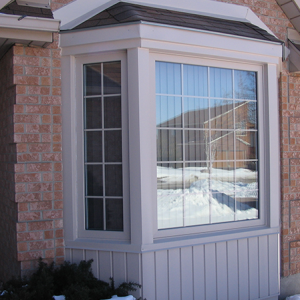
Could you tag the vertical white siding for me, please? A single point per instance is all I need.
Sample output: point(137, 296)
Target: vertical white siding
point(245, 269)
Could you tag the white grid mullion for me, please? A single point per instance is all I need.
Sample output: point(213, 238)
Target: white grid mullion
point(209, 142)
point(103, 148)
point(234, 145)
point(183, 147)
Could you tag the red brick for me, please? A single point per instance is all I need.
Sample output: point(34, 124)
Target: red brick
point(27, 61)
point(27, 99)
point(39, 187)
point(39, 167)
point(21, 227)
point(49, 234)
point(44, 205)
point(34, 177)
point(60, 252)
point(28, 157)
point(38, 128)
point(26, 118)
point(52, 100)
point(53, 214)
point(39, 71)
point(39, 52)
point(38, 90)
point(29, 236)
point(29, 255)
point(41, 245)
point(22, 247)
point(26, 80)
point(29, 216)
point(42, 225)
point(40, 147)
point(59, 233)
point(51, 157)
point(22, 207)
point(28, 197)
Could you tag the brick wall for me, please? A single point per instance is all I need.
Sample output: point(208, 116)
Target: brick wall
point(38, 177)
point(8, 208)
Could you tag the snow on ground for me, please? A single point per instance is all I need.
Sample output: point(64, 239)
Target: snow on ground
point(198, 197)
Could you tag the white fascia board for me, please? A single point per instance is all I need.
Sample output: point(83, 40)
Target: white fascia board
point(170, 39)
point(29, 23)
point(3, 3)
point(77, 12)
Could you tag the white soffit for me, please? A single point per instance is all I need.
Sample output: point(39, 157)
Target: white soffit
point(292, 10)
point(78, 11)
point(35, 3)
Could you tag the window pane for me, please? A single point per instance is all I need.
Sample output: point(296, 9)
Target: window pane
point(94, 183)
point(95, 214)
point(195, 80)
point(113, 180)
point(196, 113)
point(112, 112)
point(168, 78)
point(93, 144)
point(221, 114)
point(93, 79)
point(112, 77)
point(169, 145)
point(245, 114)
point(113, 145)
point(168, 112)
point(196, 145)
point(245, 85)
point(114, 214)
point(221, 83)
point(207, 180)
point(93, 113)
point(246, 145)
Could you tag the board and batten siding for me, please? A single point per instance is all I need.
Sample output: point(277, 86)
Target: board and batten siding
point(237, 269)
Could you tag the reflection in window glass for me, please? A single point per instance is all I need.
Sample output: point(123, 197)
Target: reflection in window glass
point(207, 170)
point(103, 146)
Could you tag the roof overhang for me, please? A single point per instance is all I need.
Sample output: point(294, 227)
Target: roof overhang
point(292, 10)
point(28, 31)
point(77, 12)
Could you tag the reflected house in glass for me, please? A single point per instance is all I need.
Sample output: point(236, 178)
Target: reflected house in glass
point(226, 146)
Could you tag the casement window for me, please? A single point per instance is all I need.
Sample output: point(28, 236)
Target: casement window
point(206, 171)
point(103, 146)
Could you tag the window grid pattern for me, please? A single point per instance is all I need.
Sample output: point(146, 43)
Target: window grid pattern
point(207, 171)
point(103, 146)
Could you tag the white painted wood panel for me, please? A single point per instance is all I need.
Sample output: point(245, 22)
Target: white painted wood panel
point(232, 263)
point(222, 268)
point(263, 264)
point(92, 254)
point(273, 258)
point(77, 255)
point(119, 267)
point(210, 271)
point(187, 273)
point(174, 274)
point(161, 274)
point(105, 265)
point(148, 275)
point(134, 271)
point(199, 272)
point(253, 268)
point(244, 269)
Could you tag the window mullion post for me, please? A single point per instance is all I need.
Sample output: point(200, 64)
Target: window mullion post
point(271, 142)
point(141, 107)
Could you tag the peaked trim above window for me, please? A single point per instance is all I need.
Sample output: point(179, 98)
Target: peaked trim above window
point(124, 13)
point(78, 12)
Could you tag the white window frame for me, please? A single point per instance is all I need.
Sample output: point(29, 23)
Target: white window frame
point(141, 45)
point(81, 211)
point(263, 127)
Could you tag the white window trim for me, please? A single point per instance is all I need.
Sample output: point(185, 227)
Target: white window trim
point(144, 43)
